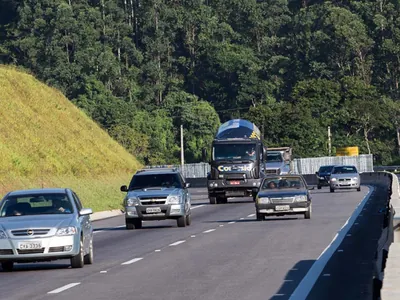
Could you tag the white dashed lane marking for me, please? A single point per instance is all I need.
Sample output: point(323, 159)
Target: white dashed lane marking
point(63, 288)
point(250, 216)
point(177, 243)
point(209, 230)
point(132, 261)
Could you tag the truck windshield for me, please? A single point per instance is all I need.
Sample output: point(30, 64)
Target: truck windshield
point(234, 151)
point(274, 157)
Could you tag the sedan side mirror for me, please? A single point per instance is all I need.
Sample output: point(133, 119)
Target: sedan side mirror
point(85, 211)
point(124, 188)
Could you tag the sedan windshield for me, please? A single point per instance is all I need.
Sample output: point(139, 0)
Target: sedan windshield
point(36, 204)
point(283, 183)
point(344, 170)
point(234, 151)
point(155, 180)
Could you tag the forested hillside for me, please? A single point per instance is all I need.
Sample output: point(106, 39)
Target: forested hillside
point(141, 68)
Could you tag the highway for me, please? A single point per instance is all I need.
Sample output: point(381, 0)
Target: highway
point(224, 254)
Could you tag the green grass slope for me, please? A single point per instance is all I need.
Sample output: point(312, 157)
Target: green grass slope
point(45, 141)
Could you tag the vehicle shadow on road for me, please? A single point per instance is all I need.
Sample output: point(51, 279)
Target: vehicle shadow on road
point(29, 267)
point(292, 279)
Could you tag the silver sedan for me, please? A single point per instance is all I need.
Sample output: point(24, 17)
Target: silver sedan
point(44, 225)
point(344, 177)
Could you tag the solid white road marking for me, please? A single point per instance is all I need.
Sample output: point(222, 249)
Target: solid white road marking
point(209, 230)
point(132, 261)
point(63, 288)
point(308, 281)
point(177, 243)
point(252, 215)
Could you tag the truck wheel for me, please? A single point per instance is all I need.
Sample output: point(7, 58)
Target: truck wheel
point(213, 200)
point(181, 221)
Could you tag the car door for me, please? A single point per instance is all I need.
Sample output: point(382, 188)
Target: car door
point(85, 223)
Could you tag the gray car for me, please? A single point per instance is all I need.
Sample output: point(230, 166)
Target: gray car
point(344, 177)
point(44, 225)
point(157, 194)
point(283, 195)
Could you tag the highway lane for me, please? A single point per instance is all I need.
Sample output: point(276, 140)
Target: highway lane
point(225, 254)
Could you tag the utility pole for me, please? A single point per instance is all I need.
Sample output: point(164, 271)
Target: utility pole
point(182, 155)
point(329, 140)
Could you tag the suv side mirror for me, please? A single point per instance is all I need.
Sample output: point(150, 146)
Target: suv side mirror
point(187, 185)
point(124, 188)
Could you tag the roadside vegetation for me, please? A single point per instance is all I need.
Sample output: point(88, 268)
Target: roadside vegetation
point(46, 141)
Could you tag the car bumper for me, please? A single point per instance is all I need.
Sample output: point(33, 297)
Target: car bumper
point(52, 248)
point(222, 187)
point(160, 212)
point(336, 185)
point(283, 208)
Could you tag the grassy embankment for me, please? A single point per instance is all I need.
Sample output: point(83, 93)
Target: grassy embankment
point(45, 141)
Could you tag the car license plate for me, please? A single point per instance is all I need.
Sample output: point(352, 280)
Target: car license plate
point(152, 210)
point(29, 245)
point(235, 182)
point(282, 207)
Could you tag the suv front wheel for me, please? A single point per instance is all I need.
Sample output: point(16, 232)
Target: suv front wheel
point(181, 221)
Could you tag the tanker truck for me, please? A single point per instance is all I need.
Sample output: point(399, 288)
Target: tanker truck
point(237, 160)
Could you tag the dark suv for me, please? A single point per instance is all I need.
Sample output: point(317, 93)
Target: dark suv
point(323, 176)
point(157, 194)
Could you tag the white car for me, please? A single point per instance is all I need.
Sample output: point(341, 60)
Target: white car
point(344, 177)
point(44, 225)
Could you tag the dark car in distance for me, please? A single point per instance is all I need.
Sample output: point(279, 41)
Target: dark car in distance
point(323, 175)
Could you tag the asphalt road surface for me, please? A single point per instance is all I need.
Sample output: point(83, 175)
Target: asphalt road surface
point(224, 254)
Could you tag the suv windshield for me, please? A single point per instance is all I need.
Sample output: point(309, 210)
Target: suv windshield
point(143, 181)
point(325, 169)
point(283, 183)
point(344, 170)
point(234, 151)
point(274, 157)
point(36, 205)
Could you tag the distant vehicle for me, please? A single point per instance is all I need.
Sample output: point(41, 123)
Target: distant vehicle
point(44, 225)
point(157, 194)
point(323, 176)
point(344, 177)
point(237, 161)
point(279, 161)
point(283, 195)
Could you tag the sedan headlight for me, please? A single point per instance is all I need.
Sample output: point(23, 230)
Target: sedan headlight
point(133, 201)
point(3, 235)
point(333, 179)
point(173, 199)
point(355, 178)
point(66, 231)
point(263, 200)
point(300, 198)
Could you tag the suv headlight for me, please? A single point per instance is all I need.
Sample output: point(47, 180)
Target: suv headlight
point(263, 200)
point(66, 230)
point(132, 201)
point(173, 199)
point(3, 235)
point(300, 198)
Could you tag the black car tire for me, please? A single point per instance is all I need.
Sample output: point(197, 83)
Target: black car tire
point(188, 220)
point(308, 213)
point(260, 217)
point(137, 223)
point(7, 266)
point(89, 257)
point(129, 225)
point(359, 189)
point(222, 200)
point(332, 190)
point(181, 221)
point(78, 260)
point(213, 200)
point(319, 187)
